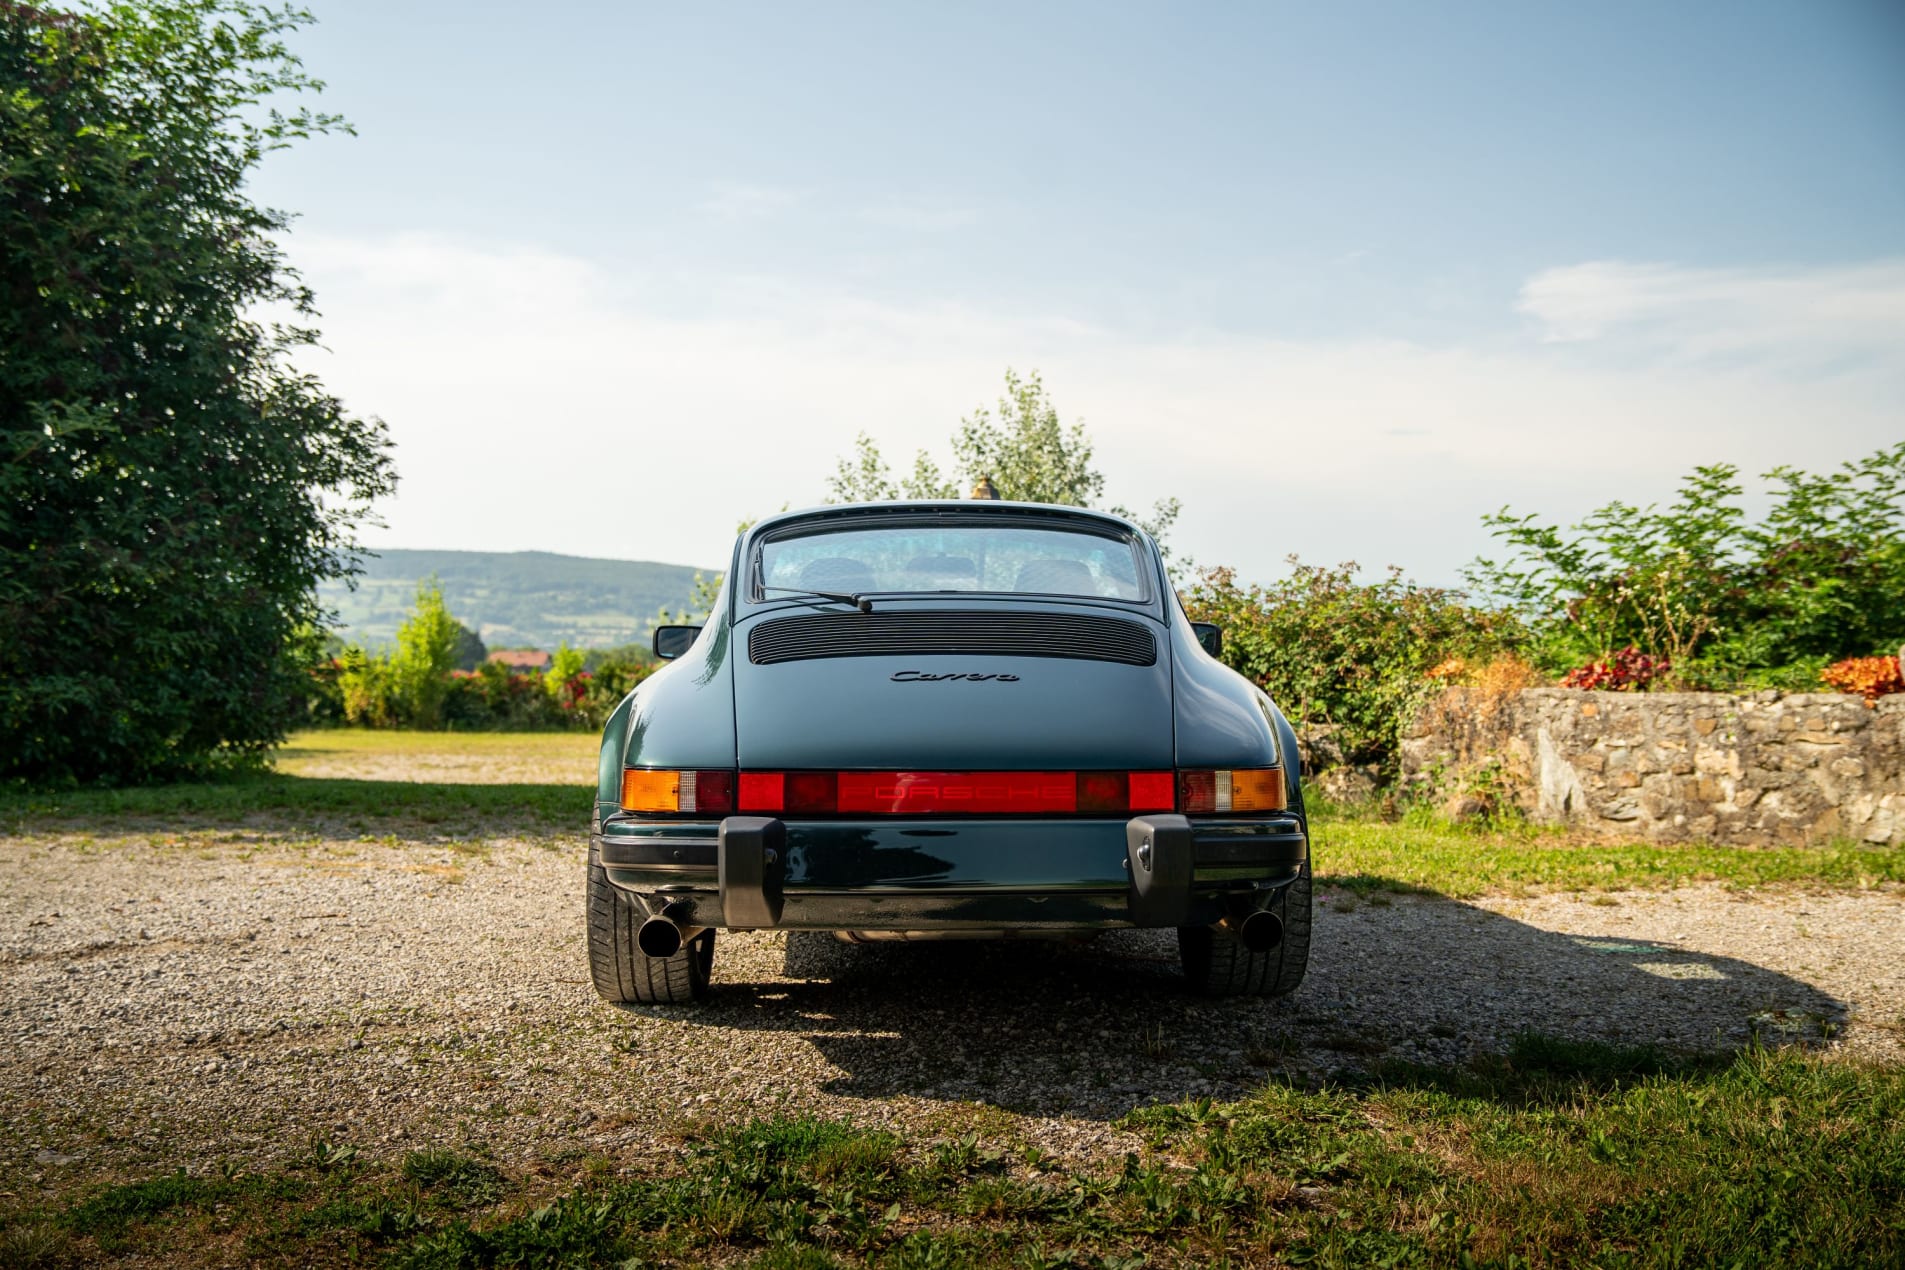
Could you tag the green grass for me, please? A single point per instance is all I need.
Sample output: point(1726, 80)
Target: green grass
point(1559, 1153)
point(271, 799)
point(1424, 853)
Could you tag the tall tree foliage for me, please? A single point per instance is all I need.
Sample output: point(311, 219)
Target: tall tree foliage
point(171, 489)
point(426, 654)
point(1021, 446)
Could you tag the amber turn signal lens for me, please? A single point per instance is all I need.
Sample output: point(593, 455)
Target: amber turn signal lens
point(650, 791)
point(1260, 789)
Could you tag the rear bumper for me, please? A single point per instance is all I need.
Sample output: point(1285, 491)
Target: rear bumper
point(752, 872)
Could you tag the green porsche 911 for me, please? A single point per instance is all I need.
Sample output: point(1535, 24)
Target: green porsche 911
point(921, 720)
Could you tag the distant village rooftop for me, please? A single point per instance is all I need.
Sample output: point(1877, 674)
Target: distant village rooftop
point(521, 658)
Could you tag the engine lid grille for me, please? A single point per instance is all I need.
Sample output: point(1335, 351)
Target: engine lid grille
point(886, 633)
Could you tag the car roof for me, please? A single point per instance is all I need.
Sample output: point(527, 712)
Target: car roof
point(959, 508)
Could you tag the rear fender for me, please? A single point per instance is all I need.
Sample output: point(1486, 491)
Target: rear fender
point(608, 777)
point(682, 716)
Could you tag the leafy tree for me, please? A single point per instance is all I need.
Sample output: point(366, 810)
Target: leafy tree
point(470, 650)
point(1724, 599)
point(564, 666)
point(426, 654)
point(364, 682)
point(1022, 447)
point(865, 477)
point(171, 488)
point(1028, 454)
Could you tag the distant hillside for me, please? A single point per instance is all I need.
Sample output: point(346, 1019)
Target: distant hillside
point(513, 597)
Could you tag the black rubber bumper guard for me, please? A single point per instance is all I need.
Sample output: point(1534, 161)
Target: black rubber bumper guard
point(751, 867)
point(1162, 854)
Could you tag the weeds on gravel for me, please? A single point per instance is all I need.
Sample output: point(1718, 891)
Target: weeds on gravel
point(1557, 1153)
point(463, 1181)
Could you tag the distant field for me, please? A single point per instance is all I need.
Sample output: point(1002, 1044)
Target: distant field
point(447, 758)
point(533, 598)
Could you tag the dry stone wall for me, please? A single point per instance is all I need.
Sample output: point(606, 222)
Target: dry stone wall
point(1750, 769)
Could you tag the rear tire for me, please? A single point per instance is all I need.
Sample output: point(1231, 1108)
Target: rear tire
point(1217, 965)
point(623, 975)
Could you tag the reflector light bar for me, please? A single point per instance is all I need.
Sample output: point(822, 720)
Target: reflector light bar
point(1238, 790)
point(718, 793)
point(967, 793)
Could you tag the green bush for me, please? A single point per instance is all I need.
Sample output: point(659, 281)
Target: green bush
point(1729, 602)
point(608, 683)
point(1331, 650)
point(360, 689)
point(492, 699)
point(172, 486)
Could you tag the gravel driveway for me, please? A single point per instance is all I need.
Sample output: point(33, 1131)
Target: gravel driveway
point(178, 1001)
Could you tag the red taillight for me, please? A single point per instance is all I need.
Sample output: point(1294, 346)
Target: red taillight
point(1119, 793)
point(763, 791)
point(968, 793)
point(1151, 791)
point(797, 793)
point(713, 792)
point(809, 793)
point(1196, 791)
point(1103, 791)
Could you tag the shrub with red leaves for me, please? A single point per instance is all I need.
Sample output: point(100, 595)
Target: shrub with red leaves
point(1870, 677)
point(1629, 670)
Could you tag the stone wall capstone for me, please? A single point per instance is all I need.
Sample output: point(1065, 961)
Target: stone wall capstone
point(1750, 769)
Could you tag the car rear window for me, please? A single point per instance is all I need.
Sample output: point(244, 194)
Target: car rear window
point(1024, 559)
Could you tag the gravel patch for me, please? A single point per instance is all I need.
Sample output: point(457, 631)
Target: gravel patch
point(242, 996)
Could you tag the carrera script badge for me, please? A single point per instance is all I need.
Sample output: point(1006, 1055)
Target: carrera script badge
point(921, 677)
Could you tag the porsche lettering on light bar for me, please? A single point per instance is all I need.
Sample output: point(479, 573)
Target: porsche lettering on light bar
point(968, 793)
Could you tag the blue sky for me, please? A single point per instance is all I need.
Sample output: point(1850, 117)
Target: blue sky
point(1340, 277)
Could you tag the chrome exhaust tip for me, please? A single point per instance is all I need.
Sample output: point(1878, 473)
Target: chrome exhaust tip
point(659, 937)
point(1260, 931)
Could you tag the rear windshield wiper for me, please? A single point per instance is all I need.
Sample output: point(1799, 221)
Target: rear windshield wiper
point(858, 601)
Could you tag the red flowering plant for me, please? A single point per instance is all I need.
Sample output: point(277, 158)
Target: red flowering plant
point(571, 691)
point(1629, 670)
point(1870, 677)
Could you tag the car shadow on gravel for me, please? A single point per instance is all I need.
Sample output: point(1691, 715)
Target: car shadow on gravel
point(1094, 1028)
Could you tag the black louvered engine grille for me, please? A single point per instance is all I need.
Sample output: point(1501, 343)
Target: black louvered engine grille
point(880, 634)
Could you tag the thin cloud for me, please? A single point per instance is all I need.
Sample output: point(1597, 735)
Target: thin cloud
point(920, 215)
point(738, 202)
point(1790, 315)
